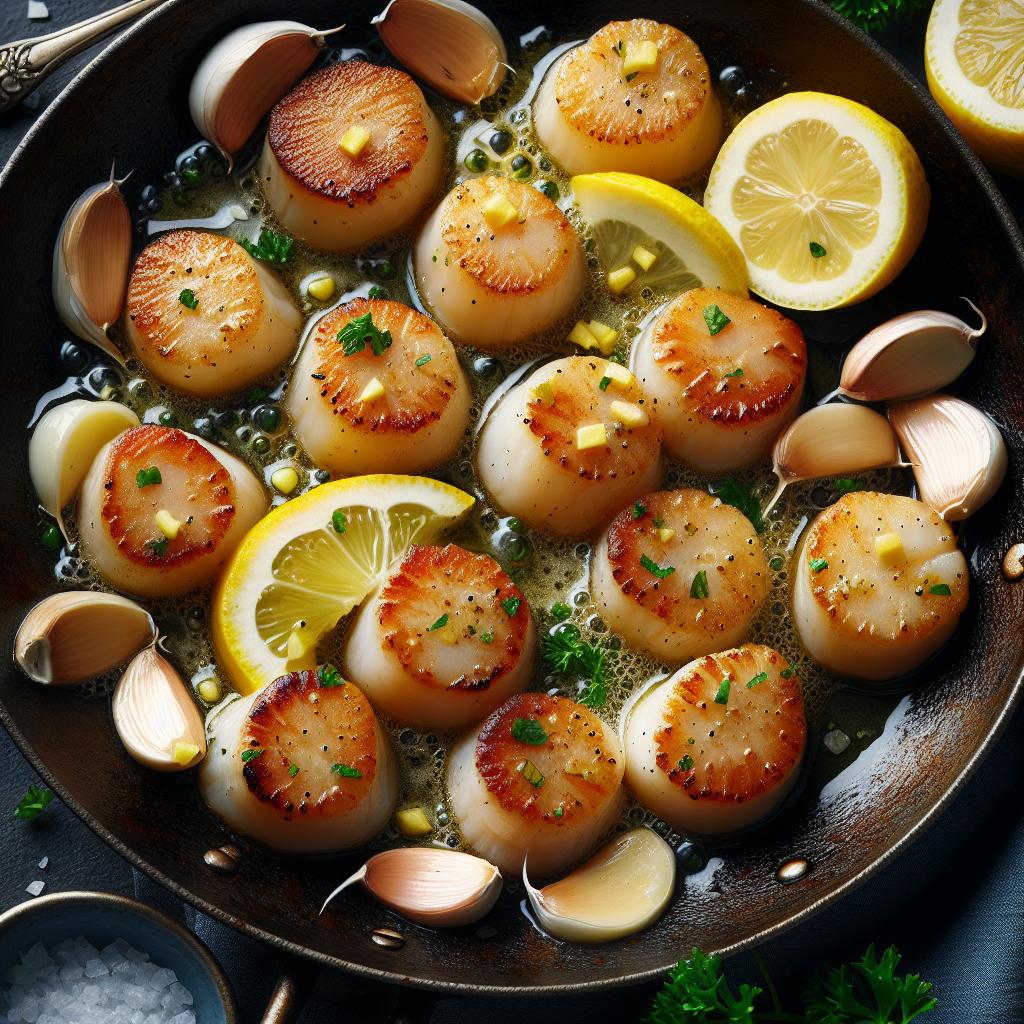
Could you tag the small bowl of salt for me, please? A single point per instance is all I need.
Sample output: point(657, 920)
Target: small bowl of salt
point(99, 958)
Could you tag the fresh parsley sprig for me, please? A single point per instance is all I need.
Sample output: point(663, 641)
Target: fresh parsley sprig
point(872, 15)
point(361, 331)
point(33, 803)
point(272, 247)
point(732, 492)
point(567, 653)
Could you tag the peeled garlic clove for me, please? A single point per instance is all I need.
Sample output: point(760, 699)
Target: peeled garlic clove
point(245, 74)
point(64, 443)
point(155, 716)
point(910, 355)
point(452, 46)
point(621, 890)
point(832, 440)
point(90, 264)
point(957, 453)
point(436, 888)
point(78, 635)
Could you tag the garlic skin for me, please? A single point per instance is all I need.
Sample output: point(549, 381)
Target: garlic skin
point(910, 355)
point(70, 637)
point(957, 453)
point(64, 443)
point(455, 48)
point(154, 712)
point(832, 440)
point(432, 887)
point(245, 74)
point(90, 264)
point(621, 890)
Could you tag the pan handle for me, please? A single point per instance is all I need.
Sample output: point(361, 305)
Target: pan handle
point(295, 981)
point(24, 64)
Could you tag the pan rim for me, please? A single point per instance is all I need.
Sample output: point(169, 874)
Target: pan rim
point(983, 179)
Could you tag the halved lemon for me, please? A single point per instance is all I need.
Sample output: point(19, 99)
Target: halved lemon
point(311, 561)
point(827, 199)
point(974, 58)
point(691, 248)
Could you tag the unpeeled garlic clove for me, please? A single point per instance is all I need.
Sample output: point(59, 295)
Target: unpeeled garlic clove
point(77, 635)
point(436, 888)
point(621, 890)
point(452, 46)
point(245, 74)
point(910, 355)
point(957, 453)
point(832, 440)
point(64, 443)
point(91, 259)
point(155, 716)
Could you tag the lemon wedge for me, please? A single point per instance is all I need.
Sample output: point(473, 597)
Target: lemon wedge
point(827, 199)
point(974, 51)
point(311, 561)
point(690, 248)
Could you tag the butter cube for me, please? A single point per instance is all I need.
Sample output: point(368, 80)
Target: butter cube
point(606, 336)
point(322, 288)
point(640, 57)
point(285, 479)
point(619, 280)
point(629, 415)
point(593, 435)
point(544, 393)
point(498, 212)
point(372, 391)
point(665, 534)
point(644, 257)
point(354, 141)
point(413, 821)
point(582, 335)
point(167, 524)
point(889, 548)
point(619, 375)
point(185, 753)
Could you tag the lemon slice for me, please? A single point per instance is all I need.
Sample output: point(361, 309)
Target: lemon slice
point(827, 199)
point(691, 248)
point(311, 561)
point(974, 58)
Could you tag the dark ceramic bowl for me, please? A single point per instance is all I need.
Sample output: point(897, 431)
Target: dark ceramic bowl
point(130, 104)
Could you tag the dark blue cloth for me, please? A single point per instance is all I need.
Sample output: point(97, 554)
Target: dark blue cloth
point(953, 903)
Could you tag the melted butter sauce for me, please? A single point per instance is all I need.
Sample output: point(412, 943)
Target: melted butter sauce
point(547, 570)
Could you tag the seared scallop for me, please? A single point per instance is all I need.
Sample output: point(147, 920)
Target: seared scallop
point(352, 153)
point(878, 585)
point(541, 780)
point(160, 510)
point(636, 96)
point(727, 373)
point(378, 387)
point(718, 746)
point(497, 262)
point(679, 574)
point(566, 448)
point(301, 765)
point(446, 638)
point(204, 317)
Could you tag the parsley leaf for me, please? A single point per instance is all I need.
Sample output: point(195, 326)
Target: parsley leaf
point(529, 731)
point(738, 372)
point(661, 571)
point(251, 755)
point(818, 564)
point(328, 676)
point(761, 677)
point(423, 360)
point(188, 298)
point(686, 763)
point(361, 331)
point(696, 991)
point(603, 383)
point(732, 492)
point(847, 484)
point(33, 803)
point(272, 247)
point(440, 624)
point(487, 637)
point(560, 611)
point(699, 586)
point(339, 520)
point(346, 771)
point(511, 605)
point(639, 510)
point(567, 653)
point(817, 250)
point(293, 770)
point(722, 693)
point(940, 590)
point(148, 476)
point(158, 546)
point(716, 320)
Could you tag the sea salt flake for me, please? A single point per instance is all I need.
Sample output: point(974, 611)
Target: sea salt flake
point(35, 888)
point(44, 863)
point(836, 741)
point(37, 10)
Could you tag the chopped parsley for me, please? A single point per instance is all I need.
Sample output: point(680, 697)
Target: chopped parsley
point(33, 803)
point(359, 332)
point(327, 676)
point(511, 605)
point(158, 546)
point(560, 611)
point(817, 564)
point(423, 360)
point(346, 771)
point(147, 477)
point(940, 590)
point(377, 292)
point(440, 624)
point(722, 695)
point(817, 249)
point(188, 298)
point(251, 755)
point(293, 770)
point(686, 763)
point(787, 672)
point(639, 510)
point(339, 520)
point(604, 382)
point(716, 320)
point(761, 677)
point(732, 492)
point(272, 247)
point(847, 484)
point(699, 586)
point(529, 731)
point(738, 372)
point(567, 653)
point(559, 811)
point(661, 571)
point(487, 637)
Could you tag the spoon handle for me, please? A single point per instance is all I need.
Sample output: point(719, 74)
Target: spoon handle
point(26, 62)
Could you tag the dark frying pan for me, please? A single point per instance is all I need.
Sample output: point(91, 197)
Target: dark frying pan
point(131, 104)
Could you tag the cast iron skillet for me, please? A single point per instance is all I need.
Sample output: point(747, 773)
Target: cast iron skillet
point(131, 104)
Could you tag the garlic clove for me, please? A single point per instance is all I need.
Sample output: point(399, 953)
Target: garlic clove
point(155, 716)
point(78, 635)
point(621, 890)
point(245, 74)
point(957, 453)
point(910, 355)
point(832, 440)
point(64, 443)
point(452, 46)
point(435, 888)
point(91, 259)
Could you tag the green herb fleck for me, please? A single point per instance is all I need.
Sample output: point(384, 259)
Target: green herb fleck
point(761, 677)
point(686, 763)
point(272, 247)
point(529, 731)
point(359, 332)
point(699, 586)
point(559, 811)
point(327, 677)
point(940, 590)
point(423, 360)
point(339, 520)
point(716, 320)
point(511, 605)
point(787, 672)
point(817, 250)
point(662, 572)
point(188, 298)
point(732, 492)
point(817, 564)
point(440, 624)
point(148, 476)
point(346, 771)
point(847, 484)
point(293, 770)
point(52, 538)
point(533, 775)
point(158, 546)
point(604, 382)
point(567, 653)
point(639, 510)
point(560, 611)
point(487, 637)
point(738, 372)
point(722, 694)
point(251, 755)
point(33, 803)
point(377, 292)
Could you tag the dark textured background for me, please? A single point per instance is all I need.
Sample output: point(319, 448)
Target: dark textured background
point(954, 903)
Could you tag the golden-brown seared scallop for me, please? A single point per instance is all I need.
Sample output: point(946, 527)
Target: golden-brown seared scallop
point(160, 510)
point(570, 445)
point(679, 574)
point(352, 153)
point(879, 585)
point(492, 281)
point(540, 779)
point(718, 746)
point(301, 765)
point(723, 397)
point(364, 403)
point(204, 317)
point(636, 96)
point(444, 641)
